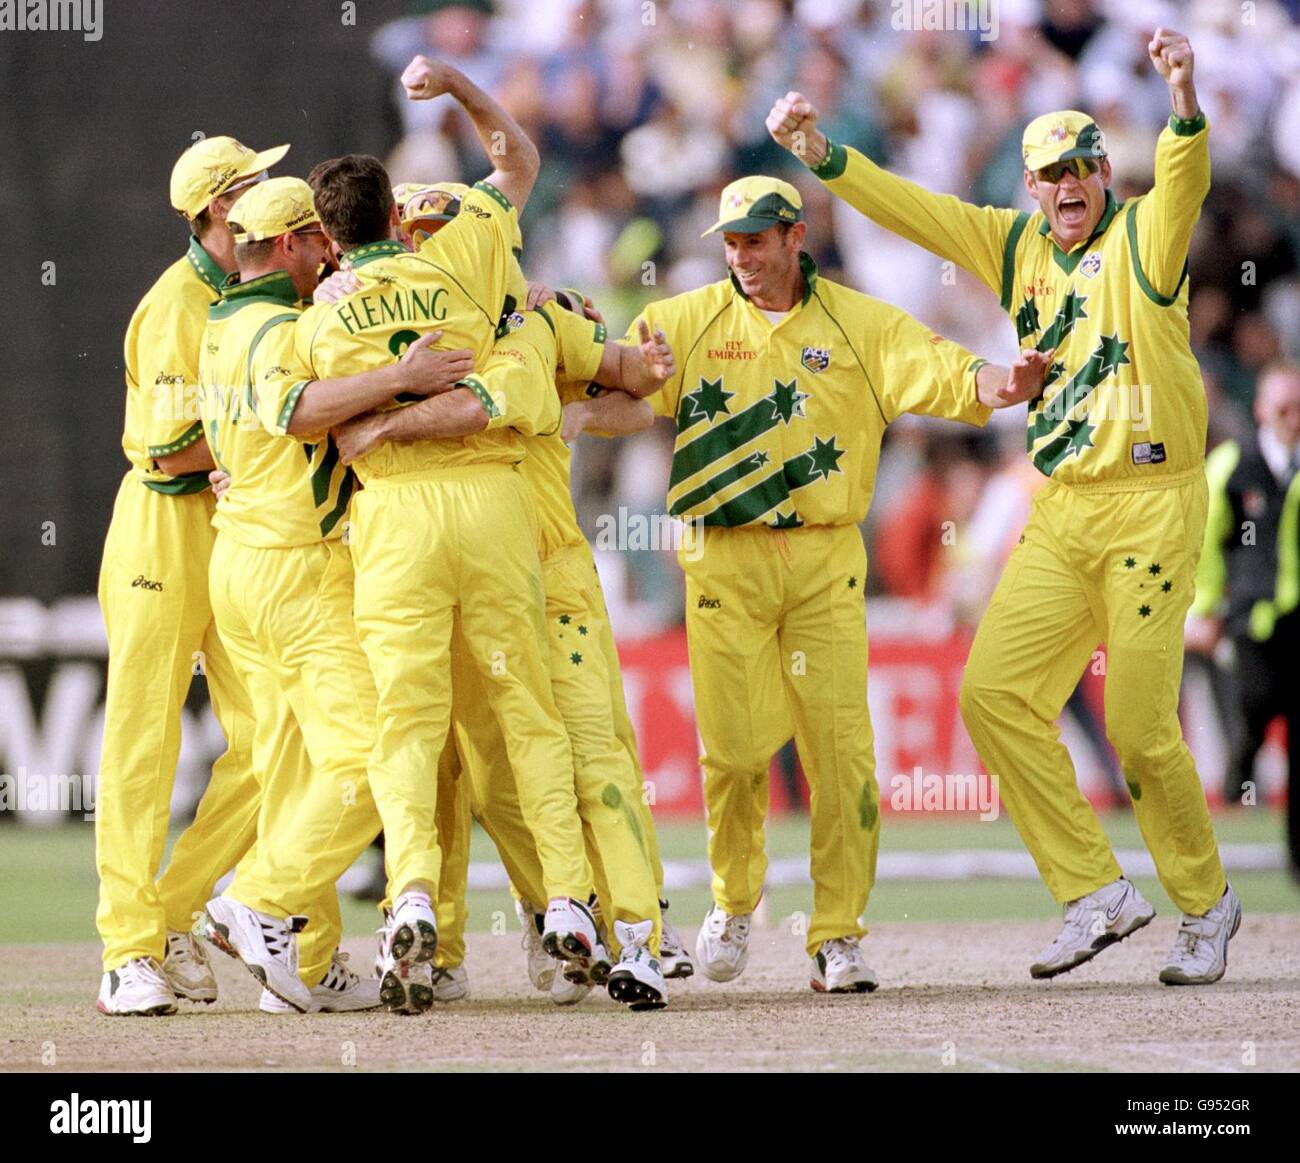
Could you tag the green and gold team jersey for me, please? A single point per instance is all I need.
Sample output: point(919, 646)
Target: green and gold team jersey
point(781, 424)
point(161, 354)
point(283, 492)
point(457, 282)
point(568, 347)
point(1123, 405)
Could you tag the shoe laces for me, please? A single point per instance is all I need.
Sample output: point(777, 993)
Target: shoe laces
point(839, 950)
point(184, 950)
point(278, 936)
point(145, 968)
point(339, 977)
point(735, 928)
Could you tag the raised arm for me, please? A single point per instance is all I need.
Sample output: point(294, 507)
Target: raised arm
point(974, 237)
point(1161, 223)
point(507, 146)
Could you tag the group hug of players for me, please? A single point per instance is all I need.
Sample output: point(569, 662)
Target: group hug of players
point(401, 624)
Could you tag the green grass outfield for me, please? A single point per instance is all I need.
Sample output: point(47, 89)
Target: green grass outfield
point(47, 876)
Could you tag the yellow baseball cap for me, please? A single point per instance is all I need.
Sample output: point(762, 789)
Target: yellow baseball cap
point(752, 204)
point(1058, 137)
point(271, 208)
point(436, 201)
point(210, 167)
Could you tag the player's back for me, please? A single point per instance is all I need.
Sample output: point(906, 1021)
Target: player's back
point(282, 492)
point(161, 357)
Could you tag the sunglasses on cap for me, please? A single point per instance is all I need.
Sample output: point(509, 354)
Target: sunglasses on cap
point(1081, 167)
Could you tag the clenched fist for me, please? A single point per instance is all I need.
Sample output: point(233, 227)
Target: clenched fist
point(425, 78)
point(1171, 53)
point(793, 125)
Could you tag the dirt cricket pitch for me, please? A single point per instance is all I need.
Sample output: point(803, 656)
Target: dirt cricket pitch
point(953, 996)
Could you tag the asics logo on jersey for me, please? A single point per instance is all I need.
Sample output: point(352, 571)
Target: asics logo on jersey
point(165, 378)
point(144, 583)
point(709, 603)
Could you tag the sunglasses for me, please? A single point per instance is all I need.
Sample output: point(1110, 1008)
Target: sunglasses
point(1081, 167)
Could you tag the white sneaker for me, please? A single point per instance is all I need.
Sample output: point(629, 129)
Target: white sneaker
point(340, 991)
point(839, 967)
point(569, 933)
point(138, 987)
point(541, 965)
point(1200, 952)
point(674, 959)
point(450, 984)
point(1091, 924)
point(722, 947)
point(268, 946)
point(187, 968)
point(410, 941)
point(637, 980)
point(570, 984)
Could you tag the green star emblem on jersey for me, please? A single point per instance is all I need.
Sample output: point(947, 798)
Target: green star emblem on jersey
point(853, 583)
point(575, 658)
point(1154, 569)
point(1130, 563)
point(1166, 587)
point(564, 619)
point(825, 458)
point(708, 400)
point(787, 402)
point(582, 630)
point(1144, 611)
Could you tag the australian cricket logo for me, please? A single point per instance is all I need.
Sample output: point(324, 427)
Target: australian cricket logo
point(1091, 265)
point(816, 359)
point(514, 321)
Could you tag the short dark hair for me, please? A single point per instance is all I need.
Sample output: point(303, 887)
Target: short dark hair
point(248, 254)
point(354, 198)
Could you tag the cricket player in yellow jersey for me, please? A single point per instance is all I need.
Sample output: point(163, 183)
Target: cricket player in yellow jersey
point(784, 385)
point(153, 591)
point(1111, 547)
point(281, 583)
point(553, 343)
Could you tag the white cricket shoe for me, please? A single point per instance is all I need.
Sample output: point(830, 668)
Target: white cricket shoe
point(569, 934)
point(571, 984)
point(722, 947)
point(268, 946)
point(410, 941)
point(340, 991)
point(1091, 924)
point(450, 984)
point(1200, 952)
point(187, 968)
point(541, 965)
point(637, 980)
point(137, 987)
point(839, 967)
point(674, 959)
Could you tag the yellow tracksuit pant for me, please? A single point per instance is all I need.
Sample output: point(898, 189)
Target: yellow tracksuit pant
point(285, 616)
point(776, 630)
point(1096, 565)
point(617, 830)
point(153, 591)
point(430, 546)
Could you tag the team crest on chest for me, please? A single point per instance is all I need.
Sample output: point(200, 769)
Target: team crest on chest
point(816, 359)
point(514, 321)
point(1091, 265)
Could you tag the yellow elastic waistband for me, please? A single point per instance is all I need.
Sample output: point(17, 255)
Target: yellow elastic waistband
point(454, 472)
point(1134, 484)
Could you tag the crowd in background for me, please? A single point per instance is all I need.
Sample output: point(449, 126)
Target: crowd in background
point(644, 111)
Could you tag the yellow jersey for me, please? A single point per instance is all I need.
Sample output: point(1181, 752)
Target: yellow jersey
point(1123, 404)
point(283, 492)
point(161, 356)
point(569, 347)
point(780, 424)
point(456, 282)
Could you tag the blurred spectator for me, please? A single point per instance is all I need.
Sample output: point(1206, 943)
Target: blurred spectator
point(1248, 584)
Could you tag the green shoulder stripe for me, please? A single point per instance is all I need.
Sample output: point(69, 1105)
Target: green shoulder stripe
point(274, 321)
point(1147, 289)
point(1009, 258)
point(492, 192)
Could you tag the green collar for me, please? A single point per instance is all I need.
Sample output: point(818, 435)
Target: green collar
point(358, 256)
point(276, 287)
point(1063, 257)
point(204, 266)
point(806, 265)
